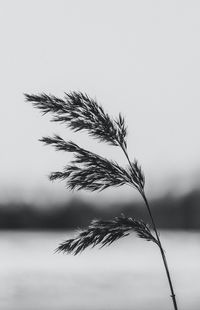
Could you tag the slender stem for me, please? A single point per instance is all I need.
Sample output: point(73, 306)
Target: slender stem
point(157, 237)
point(162, 253)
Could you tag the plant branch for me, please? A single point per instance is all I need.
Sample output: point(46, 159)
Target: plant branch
point(88, 170)
point(80, 112)
point(106, 232)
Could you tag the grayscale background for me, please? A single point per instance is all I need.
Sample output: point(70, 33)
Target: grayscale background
point(140, 58)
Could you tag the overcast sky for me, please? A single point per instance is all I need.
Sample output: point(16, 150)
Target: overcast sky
point(141, 58)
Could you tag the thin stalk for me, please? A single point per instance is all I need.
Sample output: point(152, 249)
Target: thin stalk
point(173, 296)
point(162, 253)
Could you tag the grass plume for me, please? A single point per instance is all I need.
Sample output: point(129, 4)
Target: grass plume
point(80, 112)
point(90, 171)
point(106, 232)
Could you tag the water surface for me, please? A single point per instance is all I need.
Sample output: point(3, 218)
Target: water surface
point(125, 276)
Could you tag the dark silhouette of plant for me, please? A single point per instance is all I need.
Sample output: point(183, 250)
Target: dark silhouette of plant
point(92, 172)
point(105, 233)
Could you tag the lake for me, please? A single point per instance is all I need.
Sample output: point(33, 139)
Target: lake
point(127, 275)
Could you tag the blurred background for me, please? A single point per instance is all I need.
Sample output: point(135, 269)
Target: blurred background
point(140, 58)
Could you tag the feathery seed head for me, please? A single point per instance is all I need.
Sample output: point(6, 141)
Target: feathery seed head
point(106, 232)
point(80, 112)
point(90, 171)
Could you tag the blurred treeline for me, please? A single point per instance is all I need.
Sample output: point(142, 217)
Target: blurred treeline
point(170, 213)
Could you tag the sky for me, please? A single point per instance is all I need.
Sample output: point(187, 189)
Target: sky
point(140, 58)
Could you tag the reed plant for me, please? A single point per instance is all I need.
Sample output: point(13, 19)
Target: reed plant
point(92, 172)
